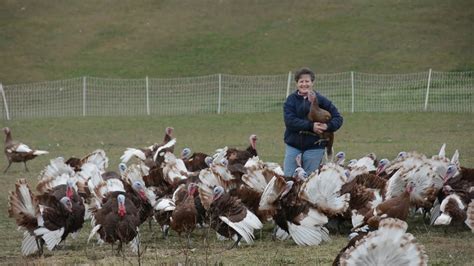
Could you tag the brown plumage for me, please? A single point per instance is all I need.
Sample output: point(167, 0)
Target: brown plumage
point(184, 217)
point(360, 198)
point(317, 114)
point(463, 181)
point(369, 180)
point(17, 152)
point(60, 211)
point(298, 218)
point(251, 199)
point(196, 162)
point(230, 218)
point(397, 207)
point(235, 156)
point(75, 163)
point(24, 215)
point(452, 209)
point(116, 220)
point(72, 220)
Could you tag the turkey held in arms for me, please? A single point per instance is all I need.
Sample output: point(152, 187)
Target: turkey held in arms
point(317, 114)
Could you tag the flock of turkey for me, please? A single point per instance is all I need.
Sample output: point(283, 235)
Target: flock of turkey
point(235, 193)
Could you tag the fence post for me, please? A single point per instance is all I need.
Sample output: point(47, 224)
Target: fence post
point(353, 91)
point(220, 95)
point(84, 89)
point(147, 97)
point(288, 84)
point(4, 101)
point(427, 90)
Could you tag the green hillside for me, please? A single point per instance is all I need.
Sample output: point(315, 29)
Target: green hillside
point(47, 40)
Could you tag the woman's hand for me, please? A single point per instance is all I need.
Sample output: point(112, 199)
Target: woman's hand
point(319, 128)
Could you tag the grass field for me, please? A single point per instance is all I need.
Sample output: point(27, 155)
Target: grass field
point(386, 134)
point(51, 40)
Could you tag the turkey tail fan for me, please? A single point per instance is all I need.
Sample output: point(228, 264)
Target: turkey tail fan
point(134, 173)
point(212, 179)
point(425, 179)
point(173, 168)
point(206, 196)
point(104, 187)
point(397, 183)
point(255, 180)
point(97, 157)
point(309, 231)
point(254, 177)
point(272, 192)
point(129, 153)
point(160, 151)
point(274, 169)
point(304, 235)
point(246, 226)
point(51, 238)
point(470, 216)
point(23, 205)
point(28, 245)
point(55, 174)
point(40, 152)
point(406, 160)
point(165, 204)
point(323, 189)
point(389, 245)
point(220, 155)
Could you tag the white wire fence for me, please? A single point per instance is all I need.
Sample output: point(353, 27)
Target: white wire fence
point(220, 93)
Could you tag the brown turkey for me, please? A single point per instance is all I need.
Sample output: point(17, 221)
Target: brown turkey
point(17, 152)
point(397, 207)
point(184, 216)
point(293, 216)
point(44, 219)
point(230, 218)
point(317, 114)
point(117, 220)
point(236, 156)
point(195, 161)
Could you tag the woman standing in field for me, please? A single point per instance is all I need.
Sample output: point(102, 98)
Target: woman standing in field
point(301, 134)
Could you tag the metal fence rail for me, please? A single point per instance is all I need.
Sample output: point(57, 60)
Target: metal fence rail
point(220, 93)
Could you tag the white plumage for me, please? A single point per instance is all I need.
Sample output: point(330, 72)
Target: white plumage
point(389, 245)
point(129, 153)
point(246, 226)
point(323, 189)
point(310, 231)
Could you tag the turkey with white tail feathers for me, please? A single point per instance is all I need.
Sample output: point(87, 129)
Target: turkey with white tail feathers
point(389, 245)
point(17, 152)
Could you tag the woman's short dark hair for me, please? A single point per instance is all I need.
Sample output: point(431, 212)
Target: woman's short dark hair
point(304, 71)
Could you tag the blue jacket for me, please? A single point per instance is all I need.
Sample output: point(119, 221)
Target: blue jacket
point(295, 112)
